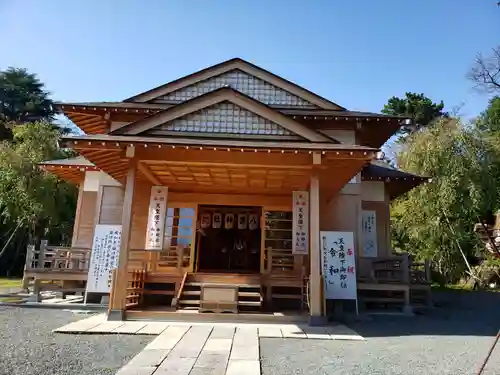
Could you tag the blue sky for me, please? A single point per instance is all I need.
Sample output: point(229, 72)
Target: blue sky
point(357, 53)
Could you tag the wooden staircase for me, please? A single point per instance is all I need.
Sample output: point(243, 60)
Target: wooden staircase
point(249, 298)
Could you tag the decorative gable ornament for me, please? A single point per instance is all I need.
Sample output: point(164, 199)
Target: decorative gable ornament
point(245, 83)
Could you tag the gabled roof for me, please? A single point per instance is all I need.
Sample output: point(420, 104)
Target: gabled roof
point(224, 94)
point(230, 65)
point(397, 181)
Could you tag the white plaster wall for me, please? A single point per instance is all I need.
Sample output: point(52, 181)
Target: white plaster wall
point(94, 179)
point(373, 191)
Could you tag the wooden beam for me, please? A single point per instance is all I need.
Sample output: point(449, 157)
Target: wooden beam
point(315, 290)
point(118, 302)
point(149, 175)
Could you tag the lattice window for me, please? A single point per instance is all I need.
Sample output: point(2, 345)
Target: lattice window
point(278, 241)
point(225, 118)
point(178, 244)
point(243, 82)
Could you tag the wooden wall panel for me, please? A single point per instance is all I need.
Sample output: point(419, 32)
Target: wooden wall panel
point(86, 216)
point(111, 205)
point(383, 225)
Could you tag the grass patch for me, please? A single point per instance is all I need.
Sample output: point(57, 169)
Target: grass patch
point(10, 283)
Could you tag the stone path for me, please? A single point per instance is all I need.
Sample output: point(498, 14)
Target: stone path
point(202, 348)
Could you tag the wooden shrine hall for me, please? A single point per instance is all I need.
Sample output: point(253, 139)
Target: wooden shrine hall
point(209, 193)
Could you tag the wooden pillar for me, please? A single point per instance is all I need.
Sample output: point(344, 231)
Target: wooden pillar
point(117, 303)
point(315, 290)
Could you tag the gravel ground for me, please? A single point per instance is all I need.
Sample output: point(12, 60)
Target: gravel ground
point(453, 339)
point(28, 346)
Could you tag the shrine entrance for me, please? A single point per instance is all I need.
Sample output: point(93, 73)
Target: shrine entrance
point(228, 239)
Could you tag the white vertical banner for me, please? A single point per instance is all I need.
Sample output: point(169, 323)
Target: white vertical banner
point(300, 245)
point(339, 265)
point(156, 218)
point(104, 257)
point(369, 233)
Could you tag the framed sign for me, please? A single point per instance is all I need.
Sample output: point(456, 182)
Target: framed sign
point(104, 257)
point(300, 244)
point(369, 233)
point(156, 218)
point(339, 265)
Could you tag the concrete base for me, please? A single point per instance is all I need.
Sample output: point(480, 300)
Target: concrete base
point(116, 315)
point(318, 321)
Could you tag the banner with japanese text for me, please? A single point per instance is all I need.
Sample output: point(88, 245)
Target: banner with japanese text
point(369, 233)
point(300, 245)
point(104, 257)
point(156, 218)
point(339, 265)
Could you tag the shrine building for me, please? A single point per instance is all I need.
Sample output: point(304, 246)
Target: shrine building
point(209, 193)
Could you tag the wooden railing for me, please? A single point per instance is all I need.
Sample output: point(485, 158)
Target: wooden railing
point(178, 295)
point(57, 258)
point(135, 289)
point(397, 269)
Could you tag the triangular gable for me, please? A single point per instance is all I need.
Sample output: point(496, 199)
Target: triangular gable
point(224, 111)
point(243, 76)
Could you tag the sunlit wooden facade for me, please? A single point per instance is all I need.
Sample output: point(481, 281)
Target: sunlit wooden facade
point(232, 138)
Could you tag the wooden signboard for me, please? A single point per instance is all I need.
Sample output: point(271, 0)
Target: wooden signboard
point(300, 244)
point(156, 218)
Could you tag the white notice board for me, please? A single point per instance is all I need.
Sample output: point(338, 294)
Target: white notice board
point(339, 265)
point(104, 258)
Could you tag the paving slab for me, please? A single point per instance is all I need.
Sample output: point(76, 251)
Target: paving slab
point(218, 345)
point(168, 338)
point(270, 331)
point(148, 358)
point(153, 328)
point(238, 367)
point(82, 325)
point(129, 370)
point(106, 327)
point(212, 360)
point(293, 332)
point(130, 328)
point(223, 332)
point(191, 343)
point(246, 336)
point(316, 333)
point(249, 352)
point(176, 366)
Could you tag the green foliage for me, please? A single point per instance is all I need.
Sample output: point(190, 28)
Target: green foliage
point(489, 120)
point(40, 204)
point(418, 107)
point(436, 220)
point(23, 97)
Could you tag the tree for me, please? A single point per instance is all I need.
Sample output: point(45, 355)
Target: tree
point(435, 221)
point(23, 97)
point(33, 204)
point(489, 120)
point(485, 71)
point(418, 107)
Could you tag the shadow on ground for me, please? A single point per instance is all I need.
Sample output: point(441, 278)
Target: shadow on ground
point(456, 312)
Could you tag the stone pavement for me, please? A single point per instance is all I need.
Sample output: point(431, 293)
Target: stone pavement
point(202, 348)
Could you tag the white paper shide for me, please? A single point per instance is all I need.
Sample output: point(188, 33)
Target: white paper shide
point(339, 265)
point(300, 245)
point(104, 258)
point(156, 218)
